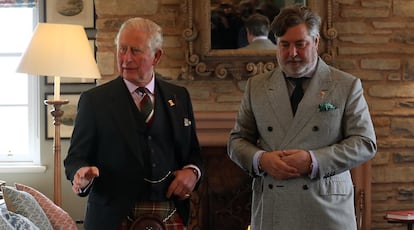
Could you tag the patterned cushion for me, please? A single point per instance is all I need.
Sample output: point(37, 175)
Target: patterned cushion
point(58, 217)
point(4, 223)
point(13, 221)
point(23, 203)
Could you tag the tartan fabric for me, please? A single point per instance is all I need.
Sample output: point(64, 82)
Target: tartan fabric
point(164, 210)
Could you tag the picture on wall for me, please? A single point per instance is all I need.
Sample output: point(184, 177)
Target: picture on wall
point(78, 12)
point(68, 118)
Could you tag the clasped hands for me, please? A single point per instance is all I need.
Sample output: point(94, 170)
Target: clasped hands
point(182, 185)
point(286, 164)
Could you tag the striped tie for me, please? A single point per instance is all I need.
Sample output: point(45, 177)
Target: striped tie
point(145, 105)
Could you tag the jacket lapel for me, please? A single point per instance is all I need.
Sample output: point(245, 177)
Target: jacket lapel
point(121, 106)
point(278, 99)
point(171, 105)
point(320, 88)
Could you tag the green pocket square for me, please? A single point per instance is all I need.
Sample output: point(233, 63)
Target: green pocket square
point(326, 107)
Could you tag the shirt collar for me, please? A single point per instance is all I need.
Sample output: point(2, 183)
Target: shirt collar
point(259, 38)
point(132, 87)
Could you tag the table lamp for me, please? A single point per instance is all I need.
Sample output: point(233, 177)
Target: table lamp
point(58, 50)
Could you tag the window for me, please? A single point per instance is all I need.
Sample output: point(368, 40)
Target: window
point(19, 93)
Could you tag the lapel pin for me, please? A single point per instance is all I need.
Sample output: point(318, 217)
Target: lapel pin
point(171, 102)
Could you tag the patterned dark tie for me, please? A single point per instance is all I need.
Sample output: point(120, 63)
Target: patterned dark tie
point(145, 105)
point(297, 94)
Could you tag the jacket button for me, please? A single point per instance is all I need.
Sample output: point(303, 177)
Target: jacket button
point(270, 128)
point(315, 128)
point(270, 186)
point(305, 187)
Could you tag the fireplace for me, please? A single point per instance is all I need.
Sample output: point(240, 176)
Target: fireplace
point(223, 199)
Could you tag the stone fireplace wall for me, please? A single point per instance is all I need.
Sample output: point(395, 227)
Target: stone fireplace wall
point(375, 42)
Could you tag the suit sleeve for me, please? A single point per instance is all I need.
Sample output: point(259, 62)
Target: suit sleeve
point(241, 146)
point(358, 143)
point(82, 138)
point(195, 155)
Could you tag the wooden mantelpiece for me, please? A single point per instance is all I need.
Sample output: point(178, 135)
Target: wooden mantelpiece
point(213, 127)
point(222, 201)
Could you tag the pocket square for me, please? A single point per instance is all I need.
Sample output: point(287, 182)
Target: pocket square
point(326, 107)
point(187, 122)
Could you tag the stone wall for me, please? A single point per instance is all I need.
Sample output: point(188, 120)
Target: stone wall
point(375, 42)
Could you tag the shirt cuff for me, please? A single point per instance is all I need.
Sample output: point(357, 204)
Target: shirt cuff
point(314, 169)
point(195, 168)
point(256, 159)
point(83, 190)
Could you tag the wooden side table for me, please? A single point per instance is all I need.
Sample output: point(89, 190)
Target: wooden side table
point(409, 223)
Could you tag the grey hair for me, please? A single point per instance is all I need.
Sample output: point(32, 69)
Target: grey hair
point(154, 31)
point(295, 15)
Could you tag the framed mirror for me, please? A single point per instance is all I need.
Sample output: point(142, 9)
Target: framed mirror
point(204, 61)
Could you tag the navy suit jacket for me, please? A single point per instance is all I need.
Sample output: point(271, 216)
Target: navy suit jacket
point(109, 135)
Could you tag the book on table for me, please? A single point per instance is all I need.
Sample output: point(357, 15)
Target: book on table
point(400, 215)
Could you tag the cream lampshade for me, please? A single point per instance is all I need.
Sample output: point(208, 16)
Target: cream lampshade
point(59, 50)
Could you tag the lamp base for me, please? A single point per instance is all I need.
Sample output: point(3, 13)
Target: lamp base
point(57, 114)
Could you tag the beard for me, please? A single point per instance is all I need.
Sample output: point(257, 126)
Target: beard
point(296, 66)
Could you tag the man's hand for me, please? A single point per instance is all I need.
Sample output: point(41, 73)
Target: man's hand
point(83, 177)
point(299, 159)
point(183, 183)
point(272, 163)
